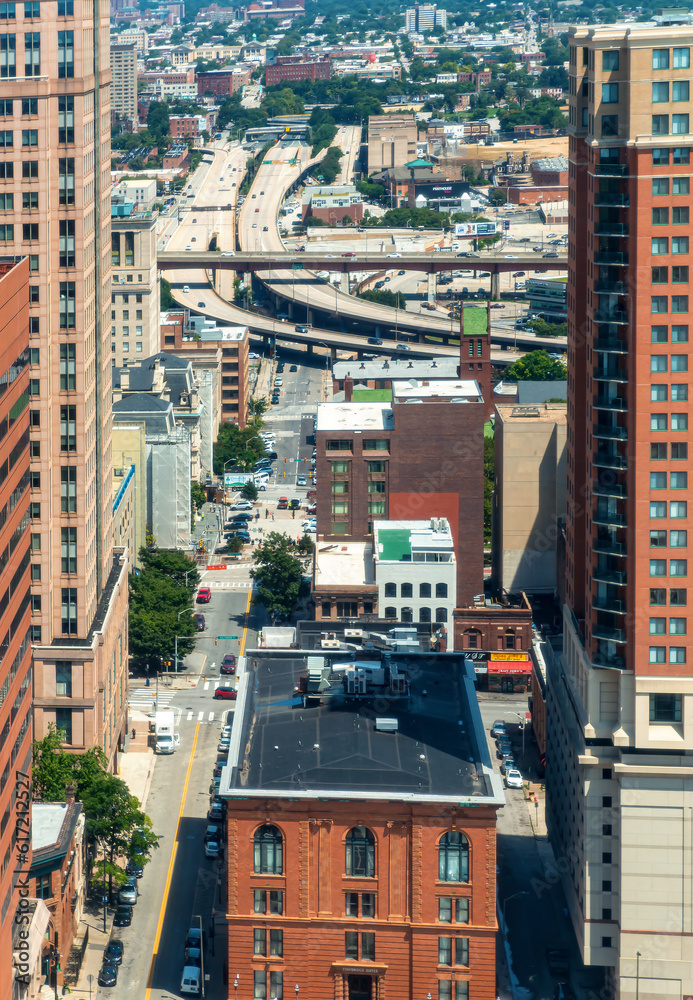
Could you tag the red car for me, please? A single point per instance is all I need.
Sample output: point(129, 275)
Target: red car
point(228, 664)
point(204, 595)
point(225, 692)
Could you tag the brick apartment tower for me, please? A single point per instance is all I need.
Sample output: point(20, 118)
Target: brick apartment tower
point(620, 703)
point(15, 655)
point(55, 179)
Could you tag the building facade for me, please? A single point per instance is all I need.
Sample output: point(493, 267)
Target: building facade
point(425, 17)
point(355, 894)
point(620, 701)
point(56, 170)
point(391, 141)
point(15, 653)
point(135, 295)
point(124, 81)
point(333, 203)
point(297, 68)
point(222, 82)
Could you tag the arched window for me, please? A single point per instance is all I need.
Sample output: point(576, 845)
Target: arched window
point(453, 857)
point(406, 616)
point(424, 590)
point(441, 590)
point(269, 851)
point(390, 612)
point(424, 614)
point(441, 614)
point(390, 590)
point(359, 851)
point(407, 590)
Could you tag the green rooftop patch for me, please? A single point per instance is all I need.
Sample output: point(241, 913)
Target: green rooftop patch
point(475, 322)
point(372, 395)
point(395, 544)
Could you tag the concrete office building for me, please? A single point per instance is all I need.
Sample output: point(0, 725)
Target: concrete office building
point(620, 702)
point(55, 169)
point(15, 652)
point(130, 506)
point(528, 498)
point(135, 296)
point(124, 82)
point(391, 141)
point(425, 17)
point(352, 873)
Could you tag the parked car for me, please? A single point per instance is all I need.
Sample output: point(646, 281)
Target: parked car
point(108, 974)
point(503, 749)
point(135, 867)
point(513, 778)
point(127, 894)
point(294, 368)
point(241, 505)
point(123, 915)
point(242, 536)
point(200, 622)
point(275, 399)
point(228, 664)
point(508, 764)
point(212, 849)
point(114, 952)
point(204, 595)
point(226, 692)
point(498, 728)
point(216, 812)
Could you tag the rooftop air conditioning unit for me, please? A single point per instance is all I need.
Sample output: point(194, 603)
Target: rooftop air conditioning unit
point(330, 644)
point(353, 633)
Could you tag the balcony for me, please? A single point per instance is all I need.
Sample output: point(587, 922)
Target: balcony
point(615, 403)
point(609, 460)
point(611, 662)
point(611, 257)
point(609, 604)
point(609, 490)
point(609, 547)
point(611, 229)
point(610, 316)
point(610, 374)
point(611, 287)
point(610, 432)
point(611, 345)
point(607, 632)
point(611, 169)
point(608, 575)
point(609, 518)
point(612, 199)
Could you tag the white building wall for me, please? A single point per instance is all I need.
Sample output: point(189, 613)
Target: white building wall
point(417, 573)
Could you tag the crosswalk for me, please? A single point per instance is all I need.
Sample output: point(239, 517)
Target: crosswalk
point(229, 584)
point(144, 698)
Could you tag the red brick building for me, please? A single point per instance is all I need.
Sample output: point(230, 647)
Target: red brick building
point(349, 878)
point(498, 638)
point(188, 126)
point(15, 662)
point(297, 68)
point(222, 82)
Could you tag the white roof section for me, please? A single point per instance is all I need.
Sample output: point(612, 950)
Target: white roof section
point(426, 388)
point(344, 564)
point(393, 368)
point(223, 332)
point(355, 417)
point(47, 820)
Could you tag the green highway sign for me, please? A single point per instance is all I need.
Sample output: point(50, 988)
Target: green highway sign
point(227, 637)
point(297, 267)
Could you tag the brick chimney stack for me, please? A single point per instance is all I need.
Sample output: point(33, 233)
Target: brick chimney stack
point(348, 389)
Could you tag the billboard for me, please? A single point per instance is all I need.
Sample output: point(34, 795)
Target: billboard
point(473, 229)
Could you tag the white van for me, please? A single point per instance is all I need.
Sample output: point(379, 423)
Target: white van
point(191, 981)
point(186, 288)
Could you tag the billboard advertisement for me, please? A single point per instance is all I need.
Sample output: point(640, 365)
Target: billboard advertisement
point(474, 229)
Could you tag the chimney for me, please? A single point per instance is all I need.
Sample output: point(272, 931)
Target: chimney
point(459, 367)
point(69, 795)
point(348, 389)
point(124, 379)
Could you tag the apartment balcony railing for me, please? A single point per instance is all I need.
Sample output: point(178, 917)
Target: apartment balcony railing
point(615, 403)
point(610, 432)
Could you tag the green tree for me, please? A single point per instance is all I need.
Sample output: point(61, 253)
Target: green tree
point(249, 491)
point(277, 573)
point(157, 121)
point(384, 297)
point(536, 366)
point(161, 606)
point(166, 297)
point(197, 495)
point(498, 196)
point(239, 447)
point(489, 476)
point(112, 816)
point(257, 405)
point(54, 767)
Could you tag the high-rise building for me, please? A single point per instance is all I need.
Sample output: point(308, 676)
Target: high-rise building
point(124, 81)
point(15, 656)
point(425, 17)
point(391, 141)
point(620, 702)
point(136, 294)
point(55, 171)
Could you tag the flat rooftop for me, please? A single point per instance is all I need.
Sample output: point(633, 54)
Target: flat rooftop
point(355, 416)
point(344, 564)
point(222, 332)
point(549, 413)
point(446, 388)
point(395, 541)
point(385, 368)
point(286, 744)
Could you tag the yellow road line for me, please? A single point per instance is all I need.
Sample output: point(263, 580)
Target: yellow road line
point(169, 873)
point(245, 621)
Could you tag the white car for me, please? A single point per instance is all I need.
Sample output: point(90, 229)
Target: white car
point(228, 253)
point(211, 849)
point(393, 255)
point(513, 778)
point(241, 505)
point(188, 247)
point(301, 481)
point(511, 256)
point(253, 356)
point(329, 256)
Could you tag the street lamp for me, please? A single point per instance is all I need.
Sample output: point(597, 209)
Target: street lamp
point(296, 988)
point(515, 895)
point(235, 988)
point(637, 975)
point(522, 727)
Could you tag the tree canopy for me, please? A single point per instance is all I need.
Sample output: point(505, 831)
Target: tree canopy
point(278, 574)
point(241, 447)
point(161, 606)
point(536, 366)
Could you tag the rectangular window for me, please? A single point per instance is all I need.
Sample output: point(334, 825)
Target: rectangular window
point(660, 216)
point(680, 155)
point(444, 951)
point(462, 951)
point(29, 137)
point(338, 446)
point(276, 985)
point(679, 393)
point(677, 654)
point(376, 444)
point(610, 60)
point(681, 58)
point(677, 626)
point(7, 12)
point(8, 56)
point(68, 367)
point(29, 107)
point(277, 943)
point(659, 245)
point(660, 58)
point(68, 550)
point(658, 539)
point(658, 452)
point(30, 231)
point(660, 157)
point(678, 597)
point(679, 125)
point(658, 393)
point(679, 276)
point(678, 567)
point(32, 53)
point(658, 654)
point(30, 201)
point(66, 180)
point(678, 509)
point(340, 486)
point(659, 334)
point(679, 451)
point(679, 244)
point(660, 186)
point(658, 626)
point(680, 185)
point(658, 567)
point(658, 421)
point(66, 119)
point(63, 678)
point(66, 54)
point(659, 275)
point(69, 610)
point(679, 421)
point(609, 125)
point(259, 985)
point(680, 90)
point(678, 481)
point(665, 708)
point(680, 215)
point(32, 9)
point(66, 8)
point(259, 941)
point(658, 596)
point(68, 489)
point(659, 304)
point(30, 169)
point(68, 321)
point(67, 242)
point(351, 945)
point(660, 93)
point(679, 362)
point(368, 947)
point(68, 428)
point(660, 124)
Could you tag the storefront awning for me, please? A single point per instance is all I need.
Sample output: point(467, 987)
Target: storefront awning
point(509, 667)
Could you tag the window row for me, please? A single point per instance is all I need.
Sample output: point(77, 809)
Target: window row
point(677, 124)
point(675, 185)
point(677, 567)
point(32, 9)
point(680, 156)
point(661, 304)
point(406, 615)
point(663, 92)
point(676, 654)
point(669, 362)
point(659, 245)
point(360, 854)
point(660, 334)
point(677, 481)
point(665, 708)
point(676, 626)
point(368, 444)
point(677, 58)
point(406, 590)
point(669, 421)
point(679, 215)
point(660, 275)
point(676, 452)
point(661, 539)
point(678, 597)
